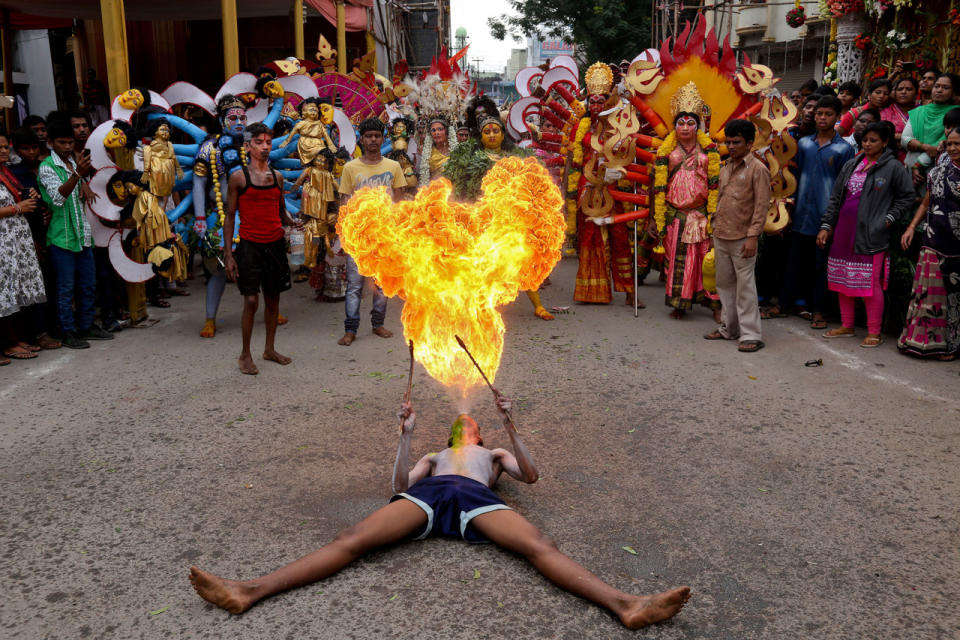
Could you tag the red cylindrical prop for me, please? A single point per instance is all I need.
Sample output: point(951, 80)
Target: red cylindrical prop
point(559, 109)
point(638, 168)
point(631, 215)
point(554, 119)
point(635, 198)
point(632, 176)
point(645, 156)
point(564, 93)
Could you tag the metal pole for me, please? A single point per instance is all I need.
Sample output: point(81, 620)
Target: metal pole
point(636, 253)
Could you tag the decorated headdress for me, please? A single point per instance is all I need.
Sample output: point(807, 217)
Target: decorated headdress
point(488, 118)
point(599, 79)
point(687, 100)
point(227, 102)
point(485, 105)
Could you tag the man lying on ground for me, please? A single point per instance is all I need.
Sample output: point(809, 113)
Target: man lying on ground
point(449, 494)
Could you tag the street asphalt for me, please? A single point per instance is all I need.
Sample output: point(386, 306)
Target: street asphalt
point(797, 502)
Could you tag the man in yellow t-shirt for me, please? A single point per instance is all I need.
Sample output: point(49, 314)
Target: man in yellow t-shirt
point(369, 170)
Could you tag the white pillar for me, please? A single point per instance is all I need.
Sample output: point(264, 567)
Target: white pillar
point(849, 58)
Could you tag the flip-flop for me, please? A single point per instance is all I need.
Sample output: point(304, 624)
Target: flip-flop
point(818, 325)
point(749, 346)
point(772, 312)
point(29, 347)
point(4, 362)
point(16, 355)
point(871, 343)
point(715, 335)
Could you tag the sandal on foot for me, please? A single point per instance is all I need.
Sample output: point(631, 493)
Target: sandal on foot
point(4, 362)
point(715, 335)
point(23, 354)
point(839, 332)
point(48, 342)
point(871, 342)
point(818, 324)
point(32, 348)
point(772, 312)
point(749, 346)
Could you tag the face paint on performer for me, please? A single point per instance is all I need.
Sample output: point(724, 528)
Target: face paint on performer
point(438, 131)
point(492, 136)
point(595, 104)
point(464, 431)
point(235, 121)
point(686, 127)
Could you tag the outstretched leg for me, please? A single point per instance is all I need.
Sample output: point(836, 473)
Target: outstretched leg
point(510, 530)
point(392, 523)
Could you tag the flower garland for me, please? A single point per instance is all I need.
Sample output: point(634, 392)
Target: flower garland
point(661, 169)
point(573, 180)
point(218, 194)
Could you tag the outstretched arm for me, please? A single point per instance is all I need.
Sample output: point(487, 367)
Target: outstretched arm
point(519, 464)
point(402, 478)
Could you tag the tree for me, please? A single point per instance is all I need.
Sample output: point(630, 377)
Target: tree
point(607, 30)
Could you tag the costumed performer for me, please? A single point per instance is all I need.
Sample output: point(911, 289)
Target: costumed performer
point(449, 494)
point(218, 155)
point(471, 161)
point(685, 188)
point(605, 251)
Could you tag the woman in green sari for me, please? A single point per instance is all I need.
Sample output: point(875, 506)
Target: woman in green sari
point(924, 131)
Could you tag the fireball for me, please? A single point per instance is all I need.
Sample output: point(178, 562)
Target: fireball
point(455, 263)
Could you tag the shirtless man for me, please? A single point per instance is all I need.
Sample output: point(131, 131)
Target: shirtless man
point(449, 494)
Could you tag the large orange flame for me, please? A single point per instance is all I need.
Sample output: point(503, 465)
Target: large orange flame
point(455, 263)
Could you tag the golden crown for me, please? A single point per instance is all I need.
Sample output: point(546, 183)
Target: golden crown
point(687, 98)
point(599, 79)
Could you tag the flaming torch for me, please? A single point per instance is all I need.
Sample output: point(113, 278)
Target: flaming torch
point(455, 263)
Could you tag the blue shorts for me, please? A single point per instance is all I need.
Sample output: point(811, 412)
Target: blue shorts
point(450, 503)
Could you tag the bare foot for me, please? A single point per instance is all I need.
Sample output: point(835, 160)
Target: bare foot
point(282, 320)
point(677, 314)
point(273, 356)
point(716, 316)
point(651, 609)
point(233, 596)
point(382, 332)
point(628, 300)
point(347, 339)
point(246, 364)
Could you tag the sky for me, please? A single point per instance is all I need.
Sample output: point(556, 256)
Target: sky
point(472, 15)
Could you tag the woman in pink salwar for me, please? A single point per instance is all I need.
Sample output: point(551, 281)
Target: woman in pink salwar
point(687, 238)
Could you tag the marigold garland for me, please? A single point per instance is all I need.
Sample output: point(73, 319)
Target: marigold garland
point(661, 169)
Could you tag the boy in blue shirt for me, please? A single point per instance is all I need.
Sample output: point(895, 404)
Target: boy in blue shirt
point(819, 159)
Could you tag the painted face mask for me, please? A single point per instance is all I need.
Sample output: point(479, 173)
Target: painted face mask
point(326, 114)
point(115, 139)
point(131, 99)
point(310, 111)
point(492, 136)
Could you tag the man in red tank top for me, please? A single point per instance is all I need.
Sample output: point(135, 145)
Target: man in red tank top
point(256, 192)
